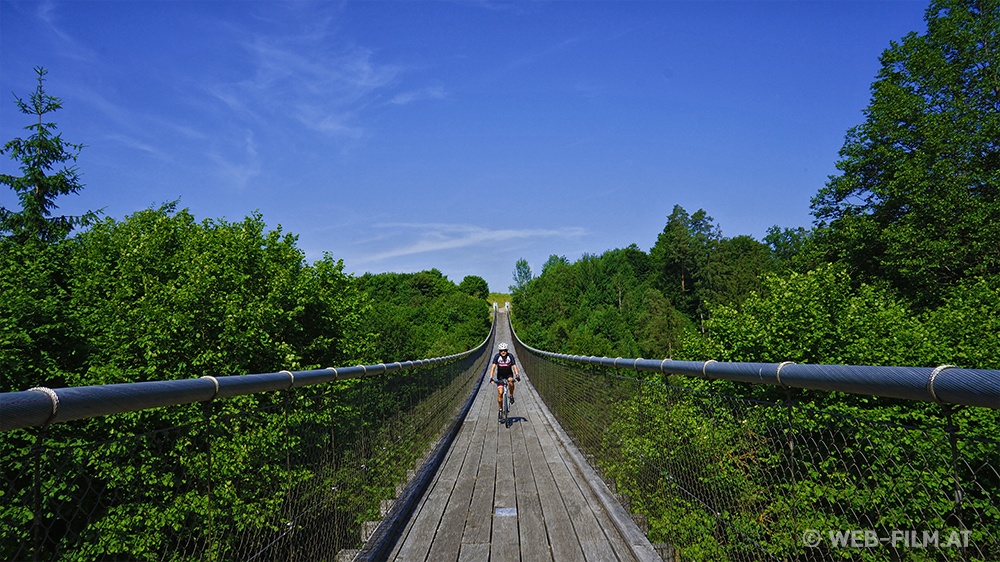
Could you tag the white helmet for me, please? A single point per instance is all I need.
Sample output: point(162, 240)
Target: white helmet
point(502, 346)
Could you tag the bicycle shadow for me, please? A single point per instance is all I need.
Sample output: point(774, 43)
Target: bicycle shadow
point(511, 420)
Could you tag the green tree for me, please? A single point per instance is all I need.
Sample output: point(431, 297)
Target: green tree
point(918, 197)
point(604, 305)
point(39, 339)
point(791, 249)
point(958, 326)
point(423, 314)
point(475, 286)
point(734, 270)
point(522, 275)
point(680, 256)
point(431, 283)
point(163, 296)
point(554, 261)
point(661, 326)
point(41, 183)
point(816, 317)
point(547, 309)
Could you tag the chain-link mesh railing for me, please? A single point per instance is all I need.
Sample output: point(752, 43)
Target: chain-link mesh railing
point(713, 476)
point(299, 474)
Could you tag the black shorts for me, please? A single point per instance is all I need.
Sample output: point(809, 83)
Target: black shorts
point(503, 380)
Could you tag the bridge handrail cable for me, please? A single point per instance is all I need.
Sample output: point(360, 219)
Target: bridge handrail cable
point(946, 384)
point(41, 406)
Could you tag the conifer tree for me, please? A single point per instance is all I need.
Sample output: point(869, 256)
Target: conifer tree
point(42, 180)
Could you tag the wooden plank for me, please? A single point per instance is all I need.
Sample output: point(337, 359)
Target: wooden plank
point(423, 528)
point(530, 523)
point(505, 544)
point(598, 551)
point(562, 539)
point(479, 552)
point(478, 525)
point(447, 543)
point(629, 541)
point(580, 507)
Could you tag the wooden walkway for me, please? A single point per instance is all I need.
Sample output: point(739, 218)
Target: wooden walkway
point(517, 493)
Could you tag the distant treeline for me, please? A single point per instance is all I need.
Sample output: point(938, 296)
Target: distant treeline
point(697, 295)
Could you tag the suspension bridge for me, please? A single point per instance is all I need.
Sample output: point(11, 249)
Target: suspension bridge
point(600, 460)
point(518, 491)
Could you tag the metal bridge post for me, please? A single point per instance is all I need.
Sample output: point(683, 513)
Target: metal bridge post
point(951, 429)
point(36, 523)
point(207, 417)
point(790, 438)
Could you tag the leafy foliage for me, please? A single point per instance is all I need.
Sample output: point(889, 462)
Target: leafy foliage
point(423, 314)
point(816, 317)
point(160, 295)
point(39, 337)
point(600, 305)
point(917, 202)
point(475, 286)
point(681, 255)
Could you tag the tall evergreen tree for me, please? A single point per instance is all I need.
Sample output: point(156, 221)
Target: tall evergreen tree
point(680, 256)
point(40, 183)
point(918, 197)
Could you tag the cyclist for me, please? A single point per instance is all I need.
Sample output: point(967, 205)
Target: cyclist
point(506, 373)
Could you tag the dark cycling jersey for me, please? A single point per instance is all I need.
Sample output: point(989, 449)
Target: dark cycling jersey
point(505, 366)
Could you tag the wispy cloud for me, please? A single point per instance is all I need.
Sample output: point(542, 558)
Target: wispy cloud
point(317, 85)
point(303, 72)
point(140, 146)
point(97, 84)
point(71, 48)
point(323, 120)
point(533, 58)
point(434, 237)
point(499, 5)
point(233, 101)
point(428, 93)
point(146, 132)
point(239, 171)
point(113, 112)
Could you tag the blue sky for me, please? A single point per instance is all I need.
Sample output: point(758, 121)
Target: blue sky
point(464, 135)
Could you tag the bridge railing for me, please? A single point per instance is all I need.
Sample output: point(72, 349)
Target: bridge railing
point(275, 466)
point(907, 467)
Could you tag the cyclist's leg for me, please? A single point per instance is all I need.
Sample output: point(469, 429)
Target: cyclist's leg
point(510, 388)
point(499, 397)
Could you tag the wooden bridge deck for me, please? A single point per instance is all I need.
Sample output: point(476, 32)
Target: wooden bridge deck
point(518, 493)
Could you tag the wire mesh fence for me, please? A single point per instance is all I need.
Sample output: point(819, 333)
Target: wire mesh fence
point(301, 474)
point(784, 475)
